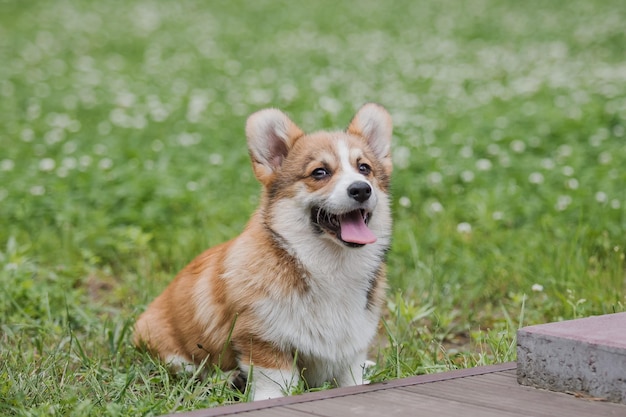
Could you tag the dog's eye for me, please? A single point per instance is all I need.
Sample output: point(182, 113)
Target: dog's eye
point(365, 169)
point(320, 173)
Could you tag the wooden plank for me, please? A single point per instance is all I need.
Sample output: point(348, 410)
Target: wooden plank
point(359, 404)
point(394, 402)
point(479, 392)
point(501, 393)
point(340, 392)
point(274, 412)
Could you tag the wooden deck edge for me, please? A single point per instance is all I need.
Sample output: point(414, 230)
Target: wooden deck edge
point(346, 391)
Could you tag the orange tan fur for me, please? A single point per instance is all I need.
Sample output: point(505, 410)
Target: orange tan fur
point(304, 283)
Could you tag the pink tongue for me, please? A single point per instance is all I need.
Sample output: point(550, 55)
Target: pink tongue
point(354, 229)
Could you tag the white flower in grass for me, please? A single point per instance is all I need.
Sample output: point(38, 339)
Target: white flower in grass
point(70, 147)
point(435, 207)
point(404, 201)
point(7, 165)
point(564, 151)
point(216, 159)
point(62, 172)
point(536, 178)
point(118, 117)
point(53, 136)
point(197, 105)
point(504, 160)
point(467, 176)
point(466, 151)
point(596, 140)
point(537, 287)
point(605, 158)
point(601, 197)
point(186, 139)
point(615, 204)
point(434, 178)
point(105, 164)
point(159, 114)
point(125, 99)
point(464, 228)
point(434, 152)
point(547, 163)
point(69, 163)
point(11, 266)
point(572, 184)
point(27, 135)
point(518, 146)
point(567, 170)
point(330, 105)
point(85, 161)
point(261, 97)
point(288, 92)
point(47, 164)
point(402, 157)
point(37, 190)
point(483, 164)
point(563, 202)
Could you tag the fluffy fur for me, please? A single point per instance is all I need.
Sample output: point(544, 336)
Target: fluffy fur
point(299, 293)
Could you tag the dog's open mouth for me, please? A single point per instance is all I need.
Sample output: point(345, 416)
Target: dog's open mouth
point(350, 228)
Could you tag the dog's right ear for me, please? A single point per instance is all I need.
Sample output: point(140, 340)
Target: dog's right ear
point(270, 135)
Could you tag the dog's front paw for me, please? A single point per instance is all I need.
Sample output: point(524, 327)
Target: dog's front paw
point(357, 374)
point(367, 371)
point(270, 383)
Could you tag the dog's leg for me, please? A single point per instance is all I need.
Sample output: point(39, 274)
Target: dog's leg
point(271, 372)
point(179, 365)
point(270, 383)
point(355, 373)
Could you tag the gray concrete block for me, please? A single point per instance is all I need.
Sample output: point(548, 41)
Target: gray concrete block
point(586, 356)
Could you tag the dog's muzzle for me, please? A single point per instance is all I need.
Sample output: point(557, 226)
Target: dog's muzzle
point(351, 228)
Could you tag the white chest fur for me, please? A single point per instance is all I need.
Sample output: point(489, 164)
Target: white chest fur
point(330, 326)
point(330, 321)
point(328, 329)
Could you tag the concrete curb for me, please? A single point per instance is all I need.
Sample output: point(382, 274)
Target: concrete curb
point(584, 356)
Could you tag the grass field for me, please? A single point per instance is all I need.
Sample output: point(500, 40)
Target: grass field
point(122, 156)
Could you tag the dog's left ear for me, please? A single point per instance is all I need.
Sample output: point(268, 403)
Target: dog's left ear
point(270, 135)
point(373, 123)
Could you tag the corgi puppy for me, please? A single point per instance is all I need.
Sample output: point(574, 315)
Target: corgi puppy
point(298, 295)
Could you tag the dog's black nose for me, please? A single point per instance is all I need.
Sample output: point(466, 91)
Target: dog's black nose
point(360, 191)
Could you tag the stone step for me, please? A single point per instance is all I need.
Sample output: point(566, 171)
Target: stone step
point(584, 356)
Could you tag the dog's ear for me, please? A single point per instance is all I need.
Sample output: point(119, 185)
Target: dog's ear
point(373, 123)
point(270, 135)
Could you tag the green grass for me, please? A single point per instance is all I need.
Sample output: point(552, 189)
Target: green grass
point(122, 155)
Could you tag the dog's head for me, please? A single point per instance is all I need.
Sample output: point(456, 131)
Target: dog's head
point(334, 183)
